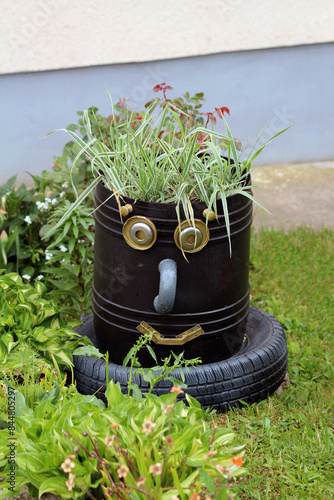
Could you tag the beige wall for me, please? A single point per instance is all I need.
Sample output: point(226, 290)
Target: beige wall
point(52, 34)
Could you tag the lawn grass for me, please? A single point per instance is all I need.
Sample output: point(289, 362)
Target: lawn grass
point(290, 437)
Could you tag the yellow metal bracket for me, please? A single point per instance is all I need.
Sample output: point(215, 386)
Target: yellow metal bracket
point(180, 339)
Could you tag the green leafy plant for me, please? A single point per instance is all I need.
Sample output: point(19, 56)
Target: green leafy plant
point(32, 325)
point(25, 215)
point(30, 387)
point(156, 373)
point(157, 162)
point(23, 211)
point(69, 265)
point(154, 447)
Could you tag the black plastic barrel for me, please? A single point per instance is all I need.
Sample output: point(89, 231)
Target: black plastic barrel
point(212, 287)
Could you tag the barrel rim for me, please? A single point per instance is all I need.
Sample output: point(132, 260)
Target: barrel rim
point(110, 200)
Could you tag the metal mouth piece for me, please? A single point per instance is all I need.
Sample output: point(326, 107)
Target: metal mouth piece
point(180, 339)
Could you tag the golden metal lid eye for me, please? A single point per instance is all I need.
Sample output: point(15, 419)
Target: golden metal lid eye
point(191, 238)
point(139, 232)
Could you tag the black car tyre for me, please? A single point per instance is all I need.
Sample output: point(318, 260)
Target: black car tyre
point(255, 372)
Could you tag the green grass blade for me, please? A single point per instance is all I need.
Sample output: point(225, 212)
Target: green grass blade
point(256, 154)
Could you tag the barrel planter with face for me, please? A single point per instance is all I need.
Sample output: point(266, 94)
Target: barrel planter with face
point(196, 302)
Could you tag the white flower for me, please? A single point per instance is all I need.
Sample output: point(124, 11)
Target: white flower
point(155, 469)
point(42, 205)
point(48, 255)
point(61, 194)
point(148, 426)
point(68, 464)
point(26, 277)
point(122, 471)
point(62, 248)
point(109, 441)
point(40, 277)
point(65, 185)
point(70, 482)
point(54, 201)
point(27, 219)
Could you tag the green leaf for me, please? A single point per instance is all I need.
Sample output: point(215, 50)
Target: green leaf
point(53, 394)
point(268, 141)
point(114, 394)
point(129, 355)
point(192, 401)
point(76, 231)
point(177, 483)
point(73, 127)
point(20, 403)
point(55, 485)
point(207, 480)
point(151, 351)
point(222, 493)
point(9, 342)
point(71, 244)
point(136, 392)
point(88, 350)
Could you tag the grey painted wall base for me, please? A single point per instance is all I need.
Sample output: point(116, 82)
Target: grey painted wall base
point(263, 89)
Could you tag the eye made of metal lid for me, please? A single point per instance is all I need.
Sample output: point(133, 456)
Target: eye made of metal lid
point(139, 232)
point(191, 238)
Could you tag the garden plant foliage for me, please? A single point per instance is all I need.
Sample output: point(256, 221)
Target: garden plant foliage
point(144, 446)
point(153, 447)
point(69, 444)
point(32, 328)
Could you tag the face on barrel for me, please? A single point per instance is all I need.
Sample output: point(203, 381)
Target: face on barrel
point(150, 268)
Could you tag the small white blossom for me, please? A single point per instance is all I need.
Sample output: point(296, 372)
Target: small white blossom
point(61, 194)
point(40, 277)
point(26, 277)
point(65, 185)
point(155, 469)
point(54, 201)
point(68, 464)
point(48, 255)
point(62, 248)
point(122, 471)
point(42, 205)
point(28, 220)
point(148, 426)
point(70, 481)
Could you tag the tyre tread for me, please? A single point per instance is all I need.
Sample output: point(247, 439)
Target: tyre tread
point(250, 376)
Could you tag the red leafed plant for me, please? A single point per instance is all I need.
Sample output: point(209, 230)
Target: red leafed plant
point(188, 109)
